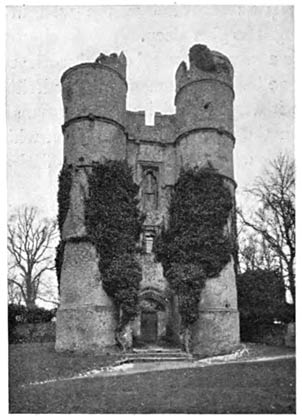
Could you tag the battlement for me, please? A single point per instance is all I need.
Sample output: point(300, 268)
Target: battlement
point(163, 129)
point(164, 121)
point(114, 61)
point(204, 64)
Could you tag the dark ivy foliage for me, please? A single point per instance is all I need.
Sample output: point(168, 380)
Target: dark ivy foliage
point(195, 245)
point(113, 224)
point(187, 280)
point(59, 260)
point(121, 282)
point(65, 183)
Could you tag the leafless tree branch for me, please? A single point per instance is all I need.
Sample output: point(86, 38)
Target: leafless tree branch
point(30, 245)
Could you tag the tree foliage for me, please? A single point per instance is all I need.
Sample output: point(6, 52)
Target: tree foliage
point(195, 245)
point(274, 220)
point(261, 295)
point(254, 252)
point(30, 243)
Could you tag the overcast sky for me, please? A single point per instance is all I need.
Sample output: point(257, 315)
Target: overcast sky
point(42, 42)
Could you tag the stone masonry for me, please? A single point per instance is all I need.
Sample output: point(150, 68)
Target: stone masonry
point(97, 127)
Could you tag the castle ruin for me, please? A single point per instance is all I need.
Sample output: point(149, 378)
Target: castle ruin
point(97, 127)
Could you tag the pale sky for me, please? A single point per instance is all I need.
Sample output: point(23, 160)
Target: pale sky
point(42, 42)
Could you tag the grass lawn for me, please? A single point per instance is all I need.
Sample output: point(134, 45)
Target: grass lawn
point(267, 387)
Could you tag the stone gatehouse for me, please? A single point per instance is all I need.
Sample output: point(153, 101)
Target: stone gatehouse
point(97, 127)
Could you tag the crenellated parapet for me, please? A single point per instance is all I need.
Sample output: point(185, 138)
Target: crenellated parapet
point(161, 133)
point(114, 61)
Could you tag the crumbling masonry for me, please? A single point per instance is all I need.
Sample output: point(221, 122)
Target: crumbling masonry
point(97, 127)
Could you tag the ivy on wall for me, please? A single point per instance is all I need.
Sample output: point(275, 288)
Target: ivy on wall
point(113, 225)
point(121, 282)
point(195, 245)
point(65, 183)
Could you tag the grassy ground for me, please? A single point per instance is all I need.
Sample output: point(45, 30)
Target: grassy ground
point(236, 388)
point(39, 362)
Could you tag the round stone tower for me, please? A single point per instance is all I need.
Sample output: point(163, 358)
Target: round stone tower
point(94, 98)
point(204, 118)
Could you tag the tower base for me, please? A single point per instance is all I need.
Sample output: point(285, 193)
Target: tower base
point(86, 328)
point(215, 332)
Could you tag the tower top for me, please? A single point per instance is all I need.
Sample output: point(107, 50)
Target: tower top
point(204, 64)
point(117, 62)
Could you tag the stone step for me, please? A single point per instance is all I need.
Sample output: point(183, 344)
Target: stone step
point(162, 355)
point(147, 359)
point(157, 350)
point(153, 355)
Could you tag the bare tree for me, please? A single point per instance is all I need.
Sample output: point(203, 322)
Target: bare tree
point(254, 252)
point(248, 252)
point(30, 244)
point(14, 292)
point(274, 220)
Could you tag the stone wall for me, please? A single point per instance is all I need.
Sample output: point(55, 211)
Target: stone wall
point(201, 148)
point(93, 140)
point(94, 89)
point(205, 104)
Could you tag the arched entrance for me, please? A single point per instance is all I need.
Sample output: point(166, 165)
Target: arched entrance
point(153, 316)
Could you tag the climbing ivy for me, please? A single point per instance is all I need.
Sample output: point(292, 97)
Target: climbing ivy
point(121, 282)
point(65, 183)
point(195, 245)
point(113, 225)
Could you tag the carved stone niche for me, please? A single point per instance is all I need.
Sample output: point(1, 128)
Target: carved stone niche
point(149, 176)
point(148, 238)
point(149, 186)
point(148, 242)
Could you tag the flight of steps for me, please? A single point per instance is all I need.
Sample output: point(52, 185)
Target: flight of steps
point(140, 355)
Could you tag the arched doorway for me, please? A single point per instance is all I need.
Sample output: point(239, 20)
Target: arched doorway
point(153, 317)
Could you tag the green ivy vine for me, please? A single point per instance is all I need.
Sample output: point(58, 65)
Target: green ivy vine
point(113, 225)
point(65, 183)
point(195, 246)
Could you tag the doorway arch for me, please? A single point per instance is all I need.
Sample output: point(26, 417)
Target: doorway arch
point(153, 316)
